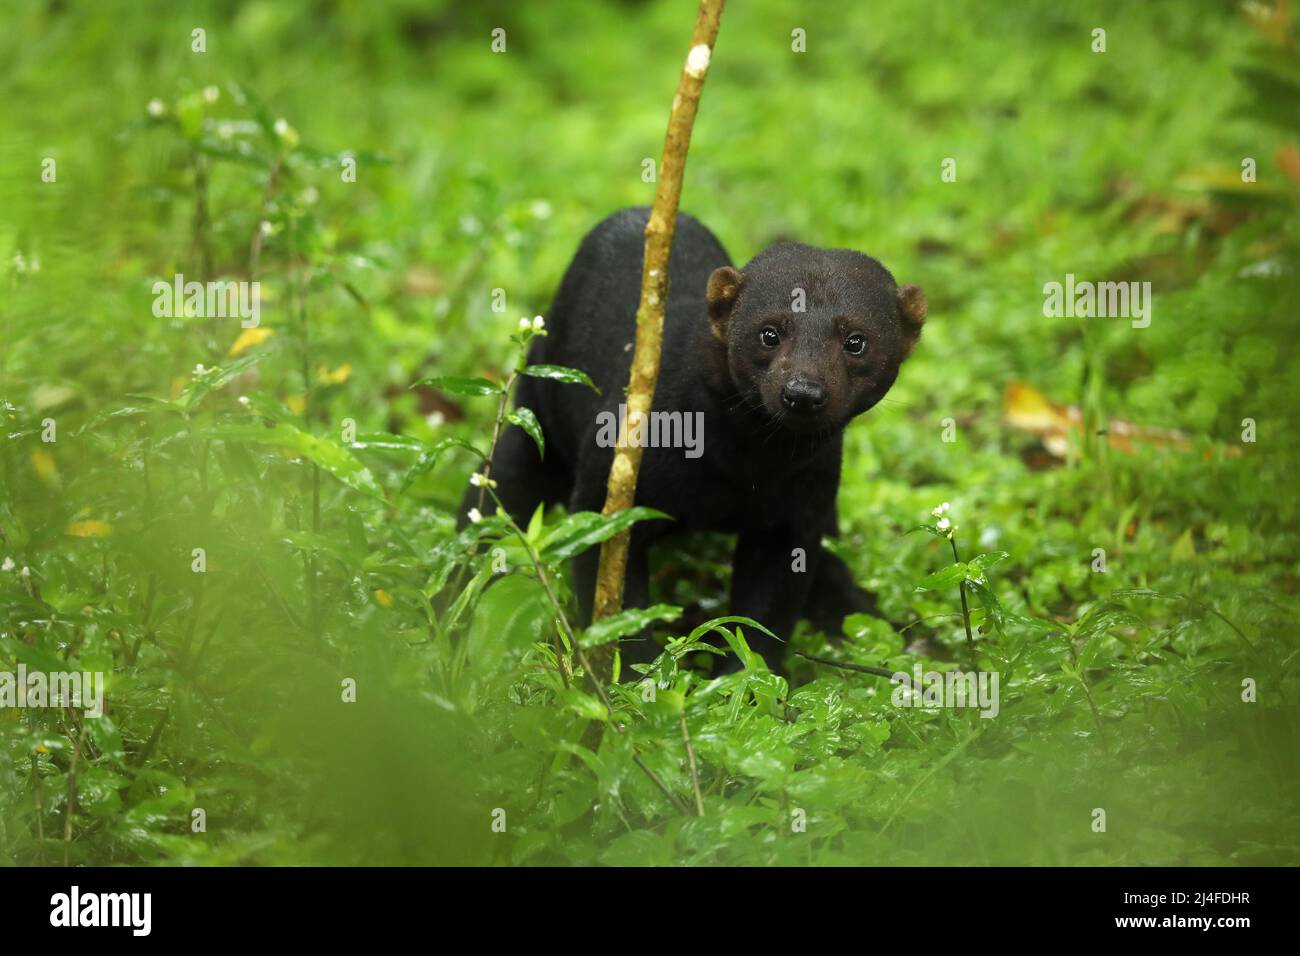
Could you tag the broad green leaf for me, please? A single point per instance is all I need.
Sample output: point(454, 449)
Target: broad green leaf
point(945, 578)
point(639, 848)
point(626, 622)
point(992, 607)
point(460, 386)
point(736, 641)
point(579, 531)
point(561, 373)
point(382, 441)
point(329, 456)
point(525, 419)
point(583, 704)
point(982, 562)
point(510, 615)
point(535, 523)
point(717, 622)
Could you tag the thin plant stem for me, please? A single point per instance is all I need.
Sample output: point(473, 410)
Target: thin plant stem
point(965, 608)
point(690, 762)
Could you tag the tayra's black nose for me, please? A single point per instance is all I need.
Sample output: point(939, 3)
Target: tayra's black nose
point(803, 396)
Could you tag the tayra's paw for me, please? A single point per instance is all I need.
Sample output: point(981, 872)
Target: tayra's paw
point(828, 615)
point(863, 601)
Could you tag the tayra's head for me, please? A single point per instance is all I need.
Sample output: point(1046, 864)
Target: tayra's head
point(814, 335)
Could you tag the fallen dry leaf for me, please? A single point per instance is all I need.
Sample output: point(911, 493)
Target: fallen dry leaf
point(248, 338)
point(1027, 409)
point(89, 529)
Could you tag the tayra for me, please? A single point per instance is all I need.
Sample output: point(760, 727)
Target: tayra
point(772, 360)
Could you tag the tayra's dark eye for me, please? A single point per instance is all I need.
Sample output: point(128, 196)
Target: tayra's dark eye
point(855, 344)
point(769, 337)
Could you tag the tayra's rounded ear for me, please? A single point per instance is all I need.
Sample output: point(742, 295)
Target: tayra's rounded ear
point(912, 307)
point(724, 286)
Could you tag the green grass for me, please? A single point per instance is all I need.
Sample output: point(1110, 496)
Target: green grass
point(1119, 690)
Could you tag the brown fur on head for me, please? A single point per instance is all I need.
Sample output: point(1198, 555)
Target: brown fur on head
point(724, 286)
point(912, 307)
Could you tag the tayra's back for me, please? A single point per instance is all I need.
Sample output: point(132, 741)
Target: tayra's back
point(592, 324)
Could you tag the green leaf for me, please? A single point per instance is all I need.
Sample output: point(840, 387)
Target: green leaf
point(383, 441)
point(982, 562)
point(525, 419)
point(510, 616)
point(945, 578)
point(584, 705)
point(736, 641)
point(581, 530)
point(626, 622)
point(327, 455)
point(535, 523)
point(429, 457)
point(36, 658)
point(763, 684)
point(993, 611)
point(716, 626)
point(574, 793)
point(460, 386)
point(561, 373)
point(1088, 653)
point(639, 848)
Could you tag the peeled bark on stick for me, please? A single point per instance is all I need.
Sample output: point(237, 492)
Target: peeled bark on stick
point(621, 491)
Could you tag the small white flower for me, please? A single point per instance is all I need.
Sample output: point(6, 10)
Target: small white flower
point(281, 127)
point(436, 419)
point(20, 264)
point(26, 571)
point(944, 524)
point(539, 323)
point(155, 107)
point(476, 479)
point(541, 209)
point(266, 227)
point(525, 324)
point(199, 369)
point(243, 400)
point(211, 94)
point(475, 515)
point(8, 565)
point(939, 510)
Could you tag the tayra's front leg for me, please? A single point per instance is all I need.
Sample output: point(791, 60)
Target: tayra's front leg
point(834, 595)
point(771, 578)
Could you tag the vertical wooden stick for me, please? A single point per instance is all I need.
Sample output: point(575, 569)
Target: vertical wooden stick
point(621, 491)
